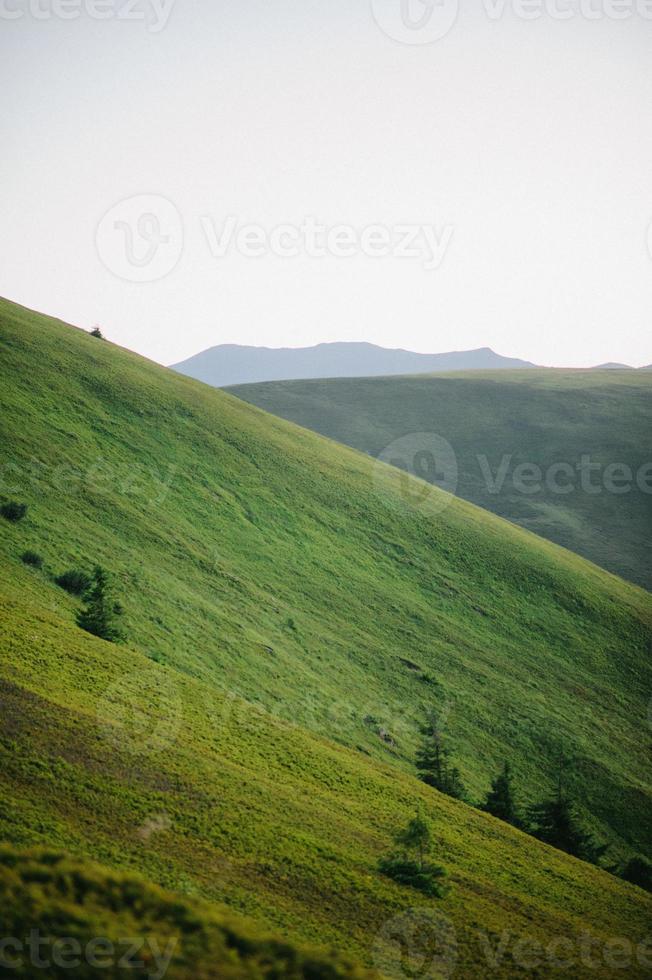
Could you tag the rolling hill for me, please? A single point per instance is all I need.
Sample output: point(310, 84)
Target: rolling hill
point(230, 364)
point(290, 611)
point(495, 423)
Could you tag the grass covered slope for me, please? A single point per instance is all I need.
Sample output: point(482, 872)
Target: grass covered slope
point(272, 564)
point(542, 417)
point(96, 910)
point(109, 755)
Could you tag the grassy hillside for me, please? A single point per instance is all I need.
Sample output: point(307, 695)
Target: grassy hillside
point(544, 417)
point(276, 565)
point(109, 755)
point(280, 599)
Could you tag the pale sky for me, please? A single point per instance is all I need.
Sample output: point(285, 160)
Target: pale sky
point(516, 154)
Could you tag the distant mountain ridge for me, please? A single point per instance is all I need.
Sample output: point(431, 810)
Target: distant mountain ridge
point(613, 366)
point(230, 364)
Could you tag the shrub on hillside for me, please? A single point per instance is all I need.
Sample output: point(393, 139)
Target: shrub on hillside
point(74, 581)
point(13, 511)
point(425, 878)
point(32, 558)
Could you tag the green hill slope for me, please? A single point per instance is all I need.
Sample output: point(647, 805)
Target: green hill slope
point(510, 418)
point(280, 598)
point(275, 565)
point(109, 755)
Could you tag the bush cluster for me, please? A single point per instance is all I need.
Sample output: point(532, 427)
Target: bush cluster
point(74, 581)
point(32, 558)
point(13, 511)
point(426, 879)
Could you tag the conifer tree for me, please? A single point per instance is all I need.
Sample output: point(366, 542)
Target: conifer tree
point(415, 837)
point(97, 616)
point(430, 758)
point(433, 761)
point(500, 798)
point(638, 871)
point(409, 864)
point(555, 822)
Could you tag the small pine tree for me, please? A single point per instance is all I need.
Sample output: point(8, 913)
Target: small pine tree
point(415, 837)
point(409, 864)
point(454, 785)
point(554, 821)
point(500, 798)
point(97, 616)
point(638, 871)
point(430, 758)
point(433, 761)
